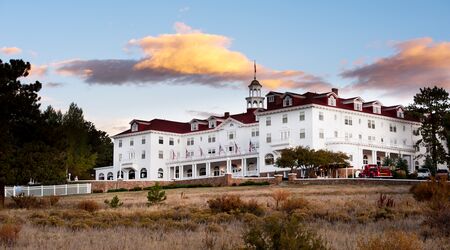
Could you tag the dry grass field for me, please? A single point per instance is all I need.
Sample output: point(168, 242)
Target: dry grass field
point(343, 217)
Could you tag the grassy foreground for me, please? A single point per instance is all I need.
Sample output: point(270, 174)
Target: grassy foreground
point(343, 217)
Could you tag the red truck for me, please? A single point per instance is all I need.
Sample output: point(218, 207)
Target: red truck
point(375, 171)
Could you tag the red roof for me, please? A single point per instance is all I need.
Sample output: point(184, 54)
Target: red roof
point(185, 127)
point(322, 99)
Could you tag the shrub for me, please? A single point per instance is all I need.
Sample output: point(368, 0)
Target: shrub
point(279, 196)
point(97, 191)
point(88, 205)
point(117, 190)
point(9, 233)
point(385, 202)
point(135, 189)
point(114, 202)
point(174, 186)
point(24, 201)
point(280, 232)
point(252, 183)
point(390, 240)
point(290, 205)
point(156, 195)
point(234, 204)
point(438, 220)
point(53, 200)
point(431, 190)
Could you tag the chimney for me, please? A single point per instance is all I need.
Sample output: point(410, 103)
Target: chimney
point(226, 114)
point(335, 90)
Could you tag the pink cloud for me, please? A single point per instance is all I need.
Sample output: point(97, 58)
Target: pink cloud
point(10, 50)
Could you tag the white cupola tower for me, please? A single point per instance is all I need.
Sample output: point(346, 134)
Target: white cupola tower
point(254, 99)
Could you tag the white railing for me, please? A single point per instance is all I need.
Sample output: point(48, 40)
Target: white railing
point(372, 143)
point(212, 157)
point(252, 173)
point(68, 189)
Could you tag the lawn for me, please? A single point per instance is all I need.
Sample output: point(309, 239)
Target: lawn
point(342, 216)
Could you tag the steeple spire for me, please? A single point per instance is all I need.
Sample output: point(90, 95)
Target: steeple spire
point(254, 65)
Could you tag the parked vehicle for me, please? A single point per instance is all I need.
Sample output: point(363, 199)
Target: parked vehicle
point(442, 174)
point(423, 173)
point(375, 171)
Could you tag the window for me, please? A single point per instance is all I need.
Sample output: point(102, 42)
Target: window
point(177, 172)
point(212, 123)
point(110, 176)
point(212, 151)
point(268, 121)
point(393, 128)
point(348, 135)
point(161, 140)
point(335, 117)
point(269, 160)
point(255, 132)
point(120, 143)
point(378, 161)
point(134, 127)
point(211, 138)
point(302, 134)
point(321, 116)
point(189, 172)
point(285, 118)
point(371, 124)
point(160, 173)
point(120, 157)
point(143, 173)
point(194, 126)
point(171, 141)
point(365, 159)
point(230, 148)
point(160, 154)
point(271, 98)
point(131, 155)
point(331, 101)
point(360, 136)
point(350, 157)
point(119, 174)
point(131, 142)
point(231, 135)
point(416, 132)
point(287, 101)
point(321, 135)
point(400, 114)
point(348, 120)
point(302, 116)
point(269, 138)
point(202, 171)
point(101, 176)
point(284, 135)
point(371, 138)
point(404, 128)
point(376, 110)
point(216, 171)
point(336, 134)
point(358, 106)
point(131, 174)
point(404, 141)
point(143, 154)
point(143, 140)
point(190, 141)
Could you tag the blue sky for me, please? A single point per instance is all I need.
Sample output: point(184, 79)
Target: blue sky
point(353, 45)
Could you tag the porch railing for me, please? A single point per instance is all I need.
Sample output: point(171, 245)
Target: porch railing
point(68, 189)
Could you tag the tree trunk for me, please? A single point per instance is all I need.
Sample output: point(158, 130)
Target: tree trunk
point(2, 195)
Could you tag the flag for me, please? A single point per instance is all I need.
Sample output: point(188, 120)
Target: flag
point(187, 153)
point(173, 154)
point(221, 149)
point(250, 147)
point(236, 148)
point(201, 151)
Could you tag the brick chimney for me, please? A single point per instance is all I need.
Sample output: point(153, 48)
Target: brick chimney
point(335, 90)
point(226, 114)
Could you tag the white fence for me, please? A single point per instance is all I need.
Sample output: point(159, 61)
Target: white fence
point(68, 189)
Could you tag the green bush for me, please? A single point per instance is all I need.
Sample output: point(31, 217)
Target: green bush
point(135, 189)
point(281, 232)
point(117, 190)
point(253, 183)
point(156, 195)
point(96, 191)
point(114, 202)
point(25, 201)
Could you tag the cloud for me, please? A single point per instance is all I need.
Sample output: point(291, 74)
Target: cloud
point(202, 114)
point(54, 84)
point(10, 50)
point(189, 56)
point(38, 70)
point(416, 63)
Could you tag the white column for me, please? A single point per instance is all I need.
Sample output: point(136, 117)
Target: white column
point(194, 170)
point(208, 169)
point(228, 166)
point(244, 167)
point(374, 157)
point(181, 171)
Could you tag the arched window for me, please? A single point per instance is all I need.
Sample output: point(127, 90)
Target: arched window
point(101, 176)
point(234, 168)
point(269, 159)
point(189, 172)
point(202, 171)
point(110, 176)
point(378, 161)
point(416, 165)
point(120, 174)
point(131, 175)
point(365, 159)
point(143, 173)
point(216, 171)
point(177, 172)
point(160, 173)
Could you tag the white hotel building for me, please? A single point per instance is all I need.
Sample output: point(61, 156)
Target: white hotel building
point(246, 144)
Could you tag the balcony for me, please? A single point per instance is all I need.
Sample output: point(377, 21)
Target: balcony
point(370, 143)
point(281, 144)
point(216, 157)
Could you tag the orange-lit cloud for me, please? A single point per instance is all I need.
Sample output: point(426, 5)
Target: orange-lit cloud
point(417, 63)
point(10, 50)
point(38, 70)
point(189, 56)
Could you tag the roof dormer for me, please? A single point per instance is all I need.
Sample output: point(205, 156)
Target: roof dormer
point(212, 123)
point(287, 101)
point(400, 112)
point(134, 127)
point(194, 126)
point(331, 100)
point(356, 101)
